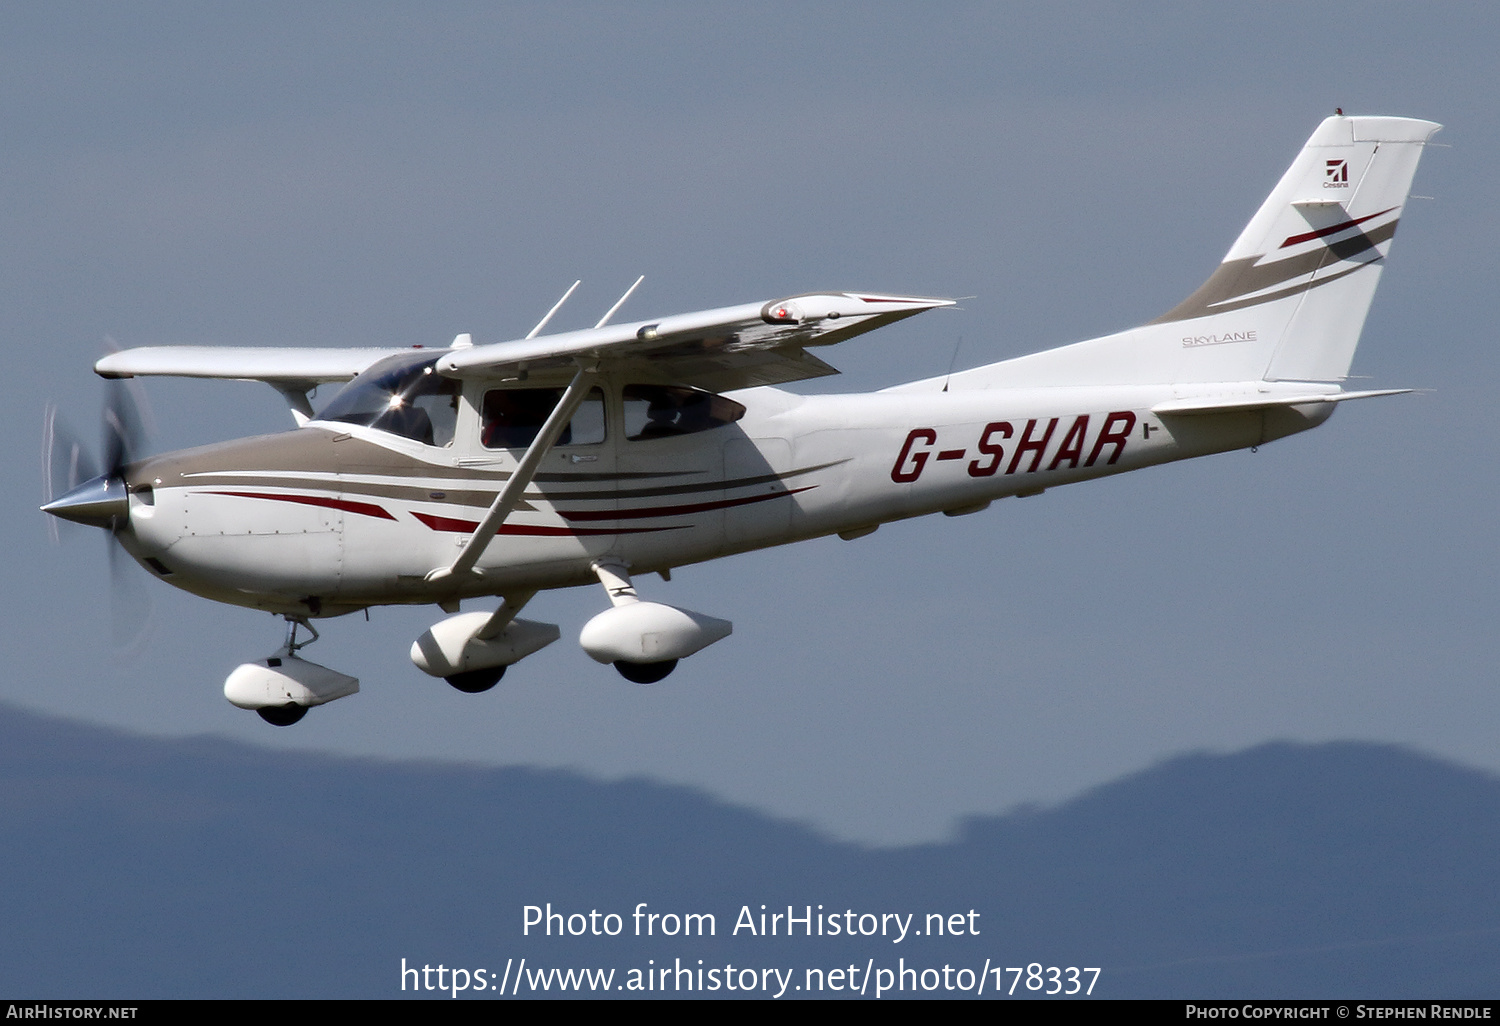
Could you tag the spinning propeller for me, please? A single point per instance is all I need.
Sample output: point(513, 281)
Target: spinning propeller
point(76, 490)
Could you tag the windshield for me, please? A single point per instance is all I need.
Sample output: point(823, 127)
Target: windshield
point(402, 394)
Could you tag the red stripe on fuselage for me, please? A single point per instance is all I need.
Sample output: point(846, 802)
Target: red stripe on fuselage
point(675, 511)
point(438, 523)
point(368, 509)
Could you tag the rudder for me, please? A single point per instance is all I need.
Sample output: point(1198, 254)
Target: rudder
point(1288, 301)
point(1311, 256)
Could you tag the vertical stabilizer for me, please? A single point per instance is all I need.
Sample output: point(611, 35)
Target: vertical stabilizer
point(1290, 298)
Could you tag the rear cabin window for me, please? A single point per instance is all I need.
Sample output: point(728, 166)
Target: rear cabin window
point(511, 418)
point(662, 411)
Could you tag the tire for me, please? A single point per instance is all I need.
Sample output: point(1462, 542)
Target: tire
point(282, 715)
point(473, 682)
point(645, 673)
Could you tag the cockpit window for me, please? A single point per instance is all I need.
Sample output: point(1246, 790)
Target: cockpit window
point(661, 411)
point(513, 417)
point(402, 394)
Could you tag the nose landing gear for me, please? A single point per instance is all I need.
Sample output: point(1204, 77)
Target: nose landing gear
point(282, 715)
point(283, 686)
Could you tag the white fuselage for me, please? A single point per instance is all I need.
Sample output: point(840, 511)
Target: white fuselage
point(335, 517)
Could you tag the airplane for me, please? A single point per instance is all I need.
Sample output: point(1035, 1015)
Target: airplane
point(597, 456)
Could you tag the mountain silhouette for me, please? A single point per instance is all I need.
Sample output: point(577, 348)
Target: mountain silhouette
point(138, 867)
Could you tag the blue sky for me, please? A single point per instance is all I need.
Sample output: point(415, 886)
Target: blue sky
point(368, 174)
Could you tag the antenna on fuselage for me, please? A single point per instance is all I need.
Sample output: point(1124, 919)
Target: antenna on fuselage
point(952, 362)
point(619, 302)
point(555, 307)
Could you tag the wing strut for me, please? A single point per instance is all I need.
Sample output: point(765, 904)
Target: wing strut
point(525, 470)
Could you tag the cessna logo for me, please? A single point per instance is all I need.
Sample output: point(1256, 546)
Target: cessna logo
point(1336, 174)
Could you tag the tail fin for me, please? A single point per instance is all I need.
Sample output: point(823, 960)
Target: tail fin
point(1290, 298)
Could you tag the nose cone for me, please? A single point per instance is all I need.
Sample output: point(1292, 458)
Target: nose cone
point(101, 502)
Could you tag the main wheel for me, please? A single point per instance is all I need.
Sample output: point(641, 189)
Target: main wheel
point(472, 682)
point(645, 673)
point(282, 715)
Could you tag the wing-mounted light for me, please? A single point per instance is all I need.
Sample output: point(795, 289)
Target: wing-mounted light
point(819, 306)
point(783, 312)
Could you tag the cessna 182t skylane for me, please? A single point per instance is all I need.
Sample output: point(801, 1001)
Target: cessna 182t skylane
point(438, 475)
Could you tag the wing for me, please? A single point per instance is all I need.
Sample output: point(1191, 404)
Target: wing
point(718, 350)
point(284, 368)
point(731, 347)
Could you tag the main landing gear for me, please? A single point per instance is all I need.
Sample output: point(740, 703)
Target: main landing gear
point(645, 673)
point(474, 682)
point(471, 650)
point(644, 640)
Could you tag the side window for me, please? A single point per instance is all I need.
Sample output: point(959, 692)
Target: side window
point(512, 417)
point(661, 411)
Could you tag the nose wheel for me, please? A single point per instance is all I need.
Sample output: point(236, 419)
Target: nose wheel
point(282, 686)
point(282, 715)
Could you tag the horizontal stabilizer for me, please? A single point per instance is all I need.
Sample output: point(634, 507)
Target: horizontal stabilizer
point(1228, 404)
